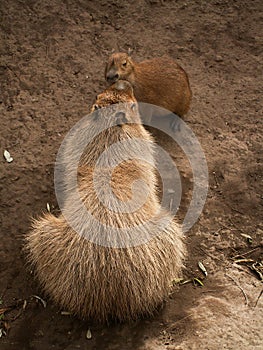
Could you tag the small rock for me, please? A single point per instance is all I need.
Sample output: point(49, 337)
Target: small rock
point(218, 58)
point(88, 334)
point(221, 137)
point(7, 156)
point(43, 188)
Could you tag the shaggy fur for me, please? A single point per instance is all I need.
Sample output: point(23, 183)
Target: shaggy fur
point(105, 283)
point(158, 81)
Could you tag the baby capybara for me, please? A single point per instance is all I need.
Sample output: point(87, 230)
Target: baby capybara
point(159, 81)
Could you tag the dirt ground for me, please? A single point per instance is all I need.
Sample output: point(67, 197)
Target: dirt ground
point(52, 63)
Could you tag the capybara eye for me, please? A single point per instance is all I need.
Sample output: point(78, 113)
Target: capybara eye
point(124, 64)
point(96, 107)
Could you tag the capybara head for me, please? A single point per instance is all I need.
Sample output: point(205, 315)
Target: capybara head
point(120, 92)
point(121, 95)
point(119, 66)
point(114, 117)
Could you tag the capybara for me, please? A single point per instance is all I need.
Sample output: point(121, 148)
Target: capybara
point(89, 276)
point(159, 81)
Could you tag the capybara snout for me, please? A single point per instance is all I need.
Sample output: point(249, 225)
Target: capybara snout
point(112, 77)
point(121, 118)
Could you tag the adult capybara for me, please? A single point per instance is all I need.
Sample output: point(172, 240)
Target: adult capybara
point(113, 263)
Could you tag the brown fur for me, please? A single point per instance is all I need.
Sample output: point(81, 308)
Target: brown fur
point(98, 282)
point(158, 81)
point(117, 93)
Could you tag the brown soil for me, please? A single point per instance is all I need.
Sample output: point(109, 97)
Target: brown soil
point(52, 66)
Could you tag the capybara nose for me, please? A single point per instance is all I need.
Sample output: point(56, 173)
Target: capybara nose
point(112, 78)
point(121, 118)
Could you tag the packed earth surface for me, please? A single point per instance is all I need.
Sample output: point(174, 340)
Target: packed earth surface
point(53, 56)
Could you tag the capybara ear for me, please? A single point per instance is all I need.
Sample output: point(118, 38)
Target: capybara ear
point(123, 85)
